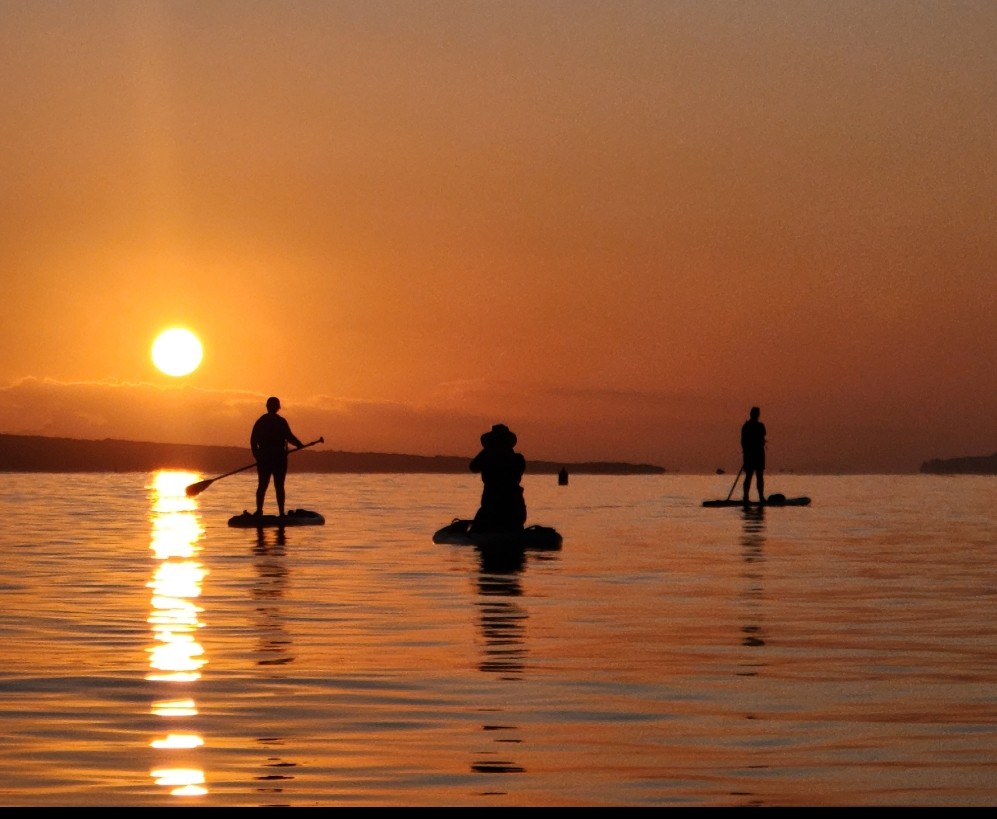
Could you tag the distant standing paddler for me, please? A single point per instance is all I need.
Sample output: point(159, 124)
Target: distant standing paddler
point(753, 453)
point(268, 441)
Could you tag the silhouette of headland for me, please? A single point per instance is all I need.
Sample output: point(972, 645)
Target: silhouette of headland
point(972, 465)
point(35, 453)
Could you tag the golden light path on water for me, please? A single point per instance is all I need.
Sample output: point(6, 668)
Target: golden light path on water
point(176, 657)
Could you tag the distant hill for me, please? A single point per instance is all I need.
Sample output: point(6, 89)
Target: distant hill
point(33, 453)
point(973, 465)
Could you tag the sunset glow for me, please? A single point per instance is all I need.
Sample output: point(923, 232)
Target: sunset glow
point(614, 227)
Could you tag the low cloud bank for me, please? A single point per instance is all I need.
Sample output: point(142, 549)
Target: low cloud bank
point(681, 434)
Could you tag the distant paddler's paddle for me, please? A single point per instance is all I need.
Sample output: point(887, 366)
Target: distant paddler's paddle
point(200, 486)
point(728, 494)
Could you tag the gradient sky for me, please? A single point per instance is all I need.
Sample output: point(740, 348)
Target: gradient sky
point(614, 226)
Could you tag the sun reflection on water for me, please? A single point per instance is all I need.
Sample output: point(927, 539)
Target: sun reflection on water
point(174, 708)
point(181, 781)
point(176, 656)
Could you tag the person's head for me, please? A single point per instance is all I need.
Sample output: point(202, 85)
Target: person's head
point(273, 404)
point(755, 412)
point(499, 435)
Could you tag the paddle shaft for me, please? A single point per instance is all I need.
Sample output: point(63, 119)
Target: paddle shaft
point(735, 481)
point(200, 486)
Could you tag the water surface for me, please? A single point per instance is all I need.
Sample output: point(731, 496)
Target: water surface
point(838, 654)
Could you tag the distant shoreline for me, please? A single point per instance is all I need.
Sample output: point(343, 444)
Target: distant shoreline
point(39, 453)
point(36, 453)
point(974, 465)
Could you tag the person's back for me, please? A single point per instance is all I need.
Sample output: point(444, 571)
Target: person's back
point(501, 467)
point(753, 438)
point(270, 437)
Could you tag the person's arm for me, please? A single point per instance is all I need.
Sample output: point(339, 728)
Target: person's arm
point(478, 462)
point(254, 441)
point(291, 436)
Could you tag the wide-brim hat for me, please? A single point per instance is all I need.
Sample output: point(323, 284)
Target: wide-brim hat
point(499, 434)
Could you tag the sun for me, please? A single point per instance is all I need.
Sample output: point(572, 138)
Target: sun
point(177, 351)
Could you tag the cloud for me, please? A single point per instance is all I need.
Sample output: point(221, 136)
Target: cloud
point(683, 433)
point(182, 414)
point(552, 423)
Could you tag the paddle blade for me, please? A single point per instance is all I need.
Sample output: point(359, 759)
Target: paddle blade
point(199, 487)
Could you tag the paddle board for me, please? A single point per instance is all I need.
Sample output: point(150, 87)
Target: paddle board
point(771, 500)
point(532, 537)
point(296, 517)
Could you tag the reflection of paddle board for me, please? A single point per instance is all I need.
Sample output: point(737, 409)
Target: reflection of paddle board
point(296, 517)
point(771, 500)
point(532, 537)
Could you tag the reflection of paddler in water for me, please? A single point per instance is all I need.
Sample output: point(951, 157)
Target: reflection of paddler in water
point(274, 644)
point(268, 592)
point(753, 656)
point(501, 620)
point(752, 540)
point(503, 507)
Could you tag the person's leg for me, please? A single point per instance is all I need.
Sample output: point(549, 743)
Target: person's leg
point(760, 483)
point(278, 487)
point(509, 510)
point(748, 472)
point(262, 482)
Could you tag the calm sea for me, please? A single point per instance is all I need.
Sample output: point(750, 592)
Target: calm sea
point(841, 654)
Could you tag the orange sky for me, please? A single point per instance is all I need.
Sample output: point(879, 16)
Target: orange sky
point(613, 226)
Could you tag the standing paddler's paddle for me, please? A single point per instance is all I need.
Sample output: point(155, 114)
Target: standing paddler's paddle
point(200, 486)
point(728, 494)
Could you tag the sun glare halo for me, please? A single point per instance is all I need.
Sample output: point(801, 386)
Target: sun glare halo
point(177, 352)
